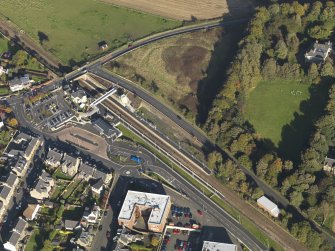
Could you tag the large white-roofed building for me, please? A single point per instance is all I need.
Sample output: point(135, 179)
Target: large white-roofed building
point(153, 207)
point(268, 206)
point(218, 246)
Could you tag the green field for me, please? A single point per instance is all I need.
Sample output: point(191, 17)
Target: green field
point(72, 29)
point(3, 44)
point(272, 104)
point(283, 112)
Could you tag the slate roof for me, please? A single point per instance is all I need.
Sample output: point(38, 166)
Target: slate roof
point(4, 192)
point(11, 179)
point(20, 225)
point(14, 238)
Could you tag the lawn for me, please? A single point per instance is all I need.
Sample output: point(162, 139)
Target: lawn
point(58, 174)
point(71, 30)
point(3, 44)
point(283, 111)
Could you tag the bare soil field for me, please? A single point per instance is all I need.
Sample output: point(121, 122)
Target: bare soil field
point(184, 9)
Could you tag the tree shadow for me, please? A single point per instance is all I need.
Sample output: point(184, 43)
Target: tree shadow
point(42, 37)
point(295, 135)
point(222, 55)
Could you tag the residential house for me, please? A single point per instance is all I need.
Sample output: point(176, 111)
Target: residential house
point(329, 165)
point(319, 52)
point(91, 216)
point(31, 211)
point(98, 187)
point(11, 180)
point(19, 166)
point(54, 158)
point(18, 84)
point(12, 243)
point(70, 224)
point(15, 153)
point(5, 194)
point(85, 171)
point(22, 137)
point(70, 165)
point(16, 235)
point(86, 237)
point(31, 149)
point(43, 187)
point(106, 177)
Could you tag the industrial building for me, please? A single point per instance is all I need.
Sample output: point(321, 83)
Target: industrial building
point(268, 206)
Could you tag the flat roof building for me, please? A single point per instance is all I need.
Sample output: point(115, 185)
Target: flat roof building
point(139, 204)
point(268, 206)
point(218, 246)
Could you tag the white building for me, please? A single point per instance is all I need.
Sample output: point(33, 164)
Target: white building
point(268, 206)
point(19, 84)
point(136, 204)
point(218, 246)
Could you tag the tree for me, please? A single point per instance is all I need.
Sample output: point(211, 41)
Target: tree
point(296, 198)
point(281, 50)
point(319, 32)
point(154, 241)
point(214, 159)
point(327, 70)
point(269, 68)
point(20, 57)
point(298, 8)
point(12, 122)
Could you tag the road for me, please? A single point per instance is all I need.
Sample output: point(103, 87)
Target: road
point(223, 217)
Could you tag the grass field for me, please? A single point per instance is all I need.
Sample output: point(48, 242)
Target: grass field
point(272, 104)
point(72, 29)
point(283, 111)
point(3, 44)
point(183, 9)
point(171, 68)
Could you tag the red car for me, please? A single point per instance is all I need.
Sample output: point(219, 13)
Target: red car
point(176, 231)
point(200, 212)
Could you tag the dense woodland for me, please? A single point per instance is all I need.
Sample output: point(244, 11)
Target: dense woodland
point(274, 47)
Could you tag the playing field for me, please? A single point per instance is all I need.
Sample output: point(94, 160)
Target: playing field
point(183, 9)
point(283, 111)
point(273, 104)
point(72, 29)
